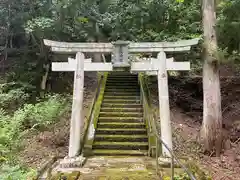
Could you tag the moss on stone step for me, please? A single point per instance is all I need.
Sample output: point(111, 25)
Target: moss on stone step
point(121, 101)
point(120, 114)
point(121, 109)
point(120, 125)
point(122, 78)
point(121, 138)
point(125, 110)
point(114, 174)
point(119, 105)
point(122, 97)
point(120, 131)
point(121, 145)
point(122, 84)
point(123, 93)
point(117, 84)
point(122, 89)
point(65, 176)
point(120, 120)
point(119, 152)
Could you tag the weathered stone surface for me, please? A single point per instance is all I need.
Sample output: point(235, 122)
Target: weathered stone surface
point(72, 162)
point(111, 168)
point(114, 168)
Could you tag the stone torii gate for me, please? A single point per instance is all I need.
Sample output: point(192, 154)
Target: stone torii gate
point(120, 51)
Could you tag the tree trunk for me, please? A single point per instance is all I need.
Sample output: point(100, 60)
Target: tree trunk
point(44, 80)
point(212, 114)
point(97, 57)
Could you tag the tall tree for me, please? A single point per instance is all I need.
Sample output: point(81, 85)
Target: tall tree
point(212, 114)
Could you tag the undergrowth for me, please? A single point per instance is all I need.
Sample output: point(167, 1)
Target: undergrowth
point(15, 124)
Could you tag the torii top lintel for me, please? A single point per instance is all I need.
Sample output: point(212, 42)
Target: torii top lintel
point(134, 47)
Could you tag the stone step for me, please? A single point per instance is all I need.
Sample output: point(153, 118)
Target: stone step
point(112, 92)
point(120, 145)
point(106, 152)
point(116, 73)
point(122, 80)
point(121, 110)
point(120, 119)
point(122, 83)
point(120, 125)
point(125, 83)
point(107, 97)
point(109, 105)
point(122, 76)
point(121, 138)
point(121, 131)
point(117, 83)
point(121, 101)
point(122, 90)
point(122, 94)
point(120, 114)
point(121, 87)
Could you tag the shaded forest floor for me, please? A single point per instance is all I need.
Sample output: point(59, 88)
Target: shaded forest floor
point(186, 114)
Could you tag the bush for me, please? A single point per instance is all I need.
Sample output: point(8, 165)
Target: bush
point(4, 139)
point(12, 127)
point(13, 95)
point(42, 114)
point(13, 99)
point(38, 116)
point(16, 172)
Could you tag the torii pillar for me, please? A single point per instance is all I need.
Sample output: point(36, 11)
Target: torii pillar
point(159, 66)
point(78, 66)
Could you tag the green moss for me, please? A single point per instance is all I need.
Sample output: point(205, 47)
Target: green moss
point(99, 101)
point(121, 118)
point(120, 152)
point(90, 111)
point(123, 136)
point(149, 113)
point(66, 176)
point(122, 114)
point(122, 143)
point(93, 118)
point(118, 174)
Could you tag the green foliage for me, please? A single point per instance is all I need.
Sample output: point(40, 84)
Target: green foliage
point(229, 25)
point(13, 95)
point(42, 114)
point(14, 98)
point(16, 172)
point(38, 116)
point(38, 24)
point(13, 127)
point(107, 20)
point(228, 28)
point(197, 172)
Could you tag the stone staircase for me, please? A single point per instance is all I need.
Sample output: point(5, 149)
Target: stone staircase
point(121, 129)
